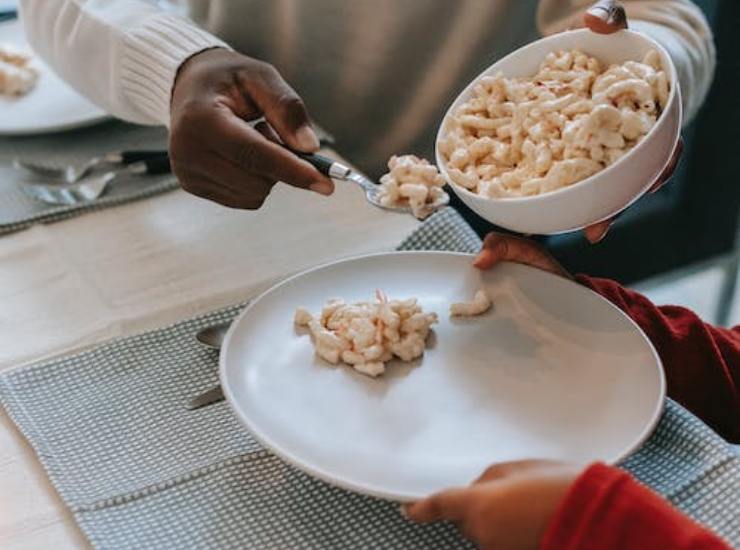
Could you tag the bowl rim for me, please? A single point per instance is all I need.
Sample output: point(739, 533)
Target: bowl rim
point(673, 97)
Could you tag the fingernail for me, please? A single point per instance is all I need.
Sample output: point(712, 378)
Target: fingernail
point(322, 188)
point(603, 236)
point(403, 509)
point(307, 139)
point(485, 259)
point(655, 188)
point(618, 17)
point(599, 11)
point(614, 17)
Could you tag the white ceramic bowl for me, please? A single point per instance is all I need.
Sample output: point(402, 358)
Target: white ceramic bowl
point(605, 193)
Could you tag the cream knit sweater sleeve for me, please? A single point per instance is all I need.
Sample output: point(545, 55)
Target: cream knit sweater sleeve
point(124, 54)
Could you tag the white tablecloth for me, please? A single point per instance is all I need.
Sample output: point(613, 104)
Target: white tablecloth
point(119, 271)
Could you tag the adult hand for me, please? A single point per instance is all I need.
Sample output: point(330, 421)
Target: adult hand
point(214, 152)
point(500, 247)
point(507, 508)
point(606, 17)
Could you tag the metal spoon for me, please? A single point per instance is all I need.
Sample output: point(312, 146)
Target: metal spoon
point(336, 170)
point(210, 337)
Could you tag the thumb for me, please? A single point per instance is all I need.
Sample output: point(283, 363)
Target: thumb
point(449, 505)
point(606, 17)
point(282, 107)
point(500, 247)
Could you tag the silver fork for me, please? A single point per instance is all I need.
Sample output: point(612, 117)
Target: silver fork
point(73, 173)
point(91, 187)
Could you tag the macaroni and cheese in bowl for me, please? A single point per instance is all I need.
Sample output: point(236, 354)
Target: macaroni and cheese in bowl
point(564, 132)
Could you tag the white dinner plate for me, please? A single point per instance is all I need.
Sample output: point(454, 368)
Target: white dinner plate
point(552, 371)
point(52, 106)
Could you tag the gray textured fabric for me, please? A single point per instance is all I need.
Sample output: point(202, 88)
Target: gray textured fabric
point(140, 471)
point(18, 210)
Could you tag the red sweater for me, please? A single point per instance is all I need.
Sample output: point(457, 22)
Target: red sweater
point(605, 508)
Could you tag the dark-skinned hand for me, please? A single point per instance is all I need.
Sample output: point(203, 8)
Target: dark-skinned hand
point(216, 154)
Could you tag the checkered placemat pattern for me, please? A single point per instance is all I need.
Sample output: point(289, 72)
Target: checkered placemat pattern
point(138, 470)
point(18, 210)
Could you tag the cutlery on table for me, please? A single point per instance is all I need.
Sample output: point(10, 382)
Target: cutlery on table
point(91, 187)
point(73, 173)
point(210, 337)
point(208, 397)
point(76, 187)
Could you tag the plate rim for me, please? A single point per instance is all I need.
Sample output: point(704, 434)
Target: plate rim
point(58, 128)
point(338, 481)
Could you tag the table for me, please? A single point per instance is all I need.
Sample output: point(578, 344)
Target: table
point(120, 271)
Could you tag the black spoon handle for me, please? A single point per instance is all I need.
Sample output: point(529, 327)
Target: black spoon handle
point(129, 157)
point(325, 165)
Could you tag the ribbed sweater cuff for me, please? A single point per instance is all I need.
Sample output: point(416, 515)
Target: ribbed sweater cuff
point(153, 52)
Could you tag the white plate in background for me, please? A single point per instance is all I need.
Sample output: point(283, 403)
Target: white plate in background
point(552, 371)
point(52, 106)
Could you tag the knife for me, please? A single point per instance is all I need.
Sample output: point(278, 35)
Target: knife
point(214, 395)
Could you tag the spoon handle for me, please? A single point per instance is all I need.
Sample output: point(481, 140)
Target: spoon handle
point(325, 165)
point(152, 166)
point(129, 157)
point(214, 395)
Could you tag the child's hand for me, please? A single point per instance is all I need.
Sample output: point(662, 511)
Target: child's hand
point(507, 508)
point(500, 247)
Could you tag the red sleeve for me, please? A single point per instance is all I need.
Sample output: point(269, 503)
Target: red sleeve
point(701, 361)
point(605, 508)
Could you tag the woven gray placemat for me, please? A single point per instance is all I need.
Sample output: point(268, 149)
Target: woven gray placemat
point(140, 471)
point(18, 210)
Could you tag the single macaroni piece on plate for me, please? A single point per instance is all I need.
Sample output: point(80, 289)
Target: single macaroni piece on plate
point(366, 335)
point(480, 304)
point(412, 182)
point(17, 73)
point(302, 317)
point(527, 136)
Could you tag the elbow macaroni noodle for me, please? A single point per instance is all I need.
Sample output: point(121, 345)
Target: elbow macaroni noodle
point(17, 74)
point(480, 303)
point(413, 182)
point(528, 136)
